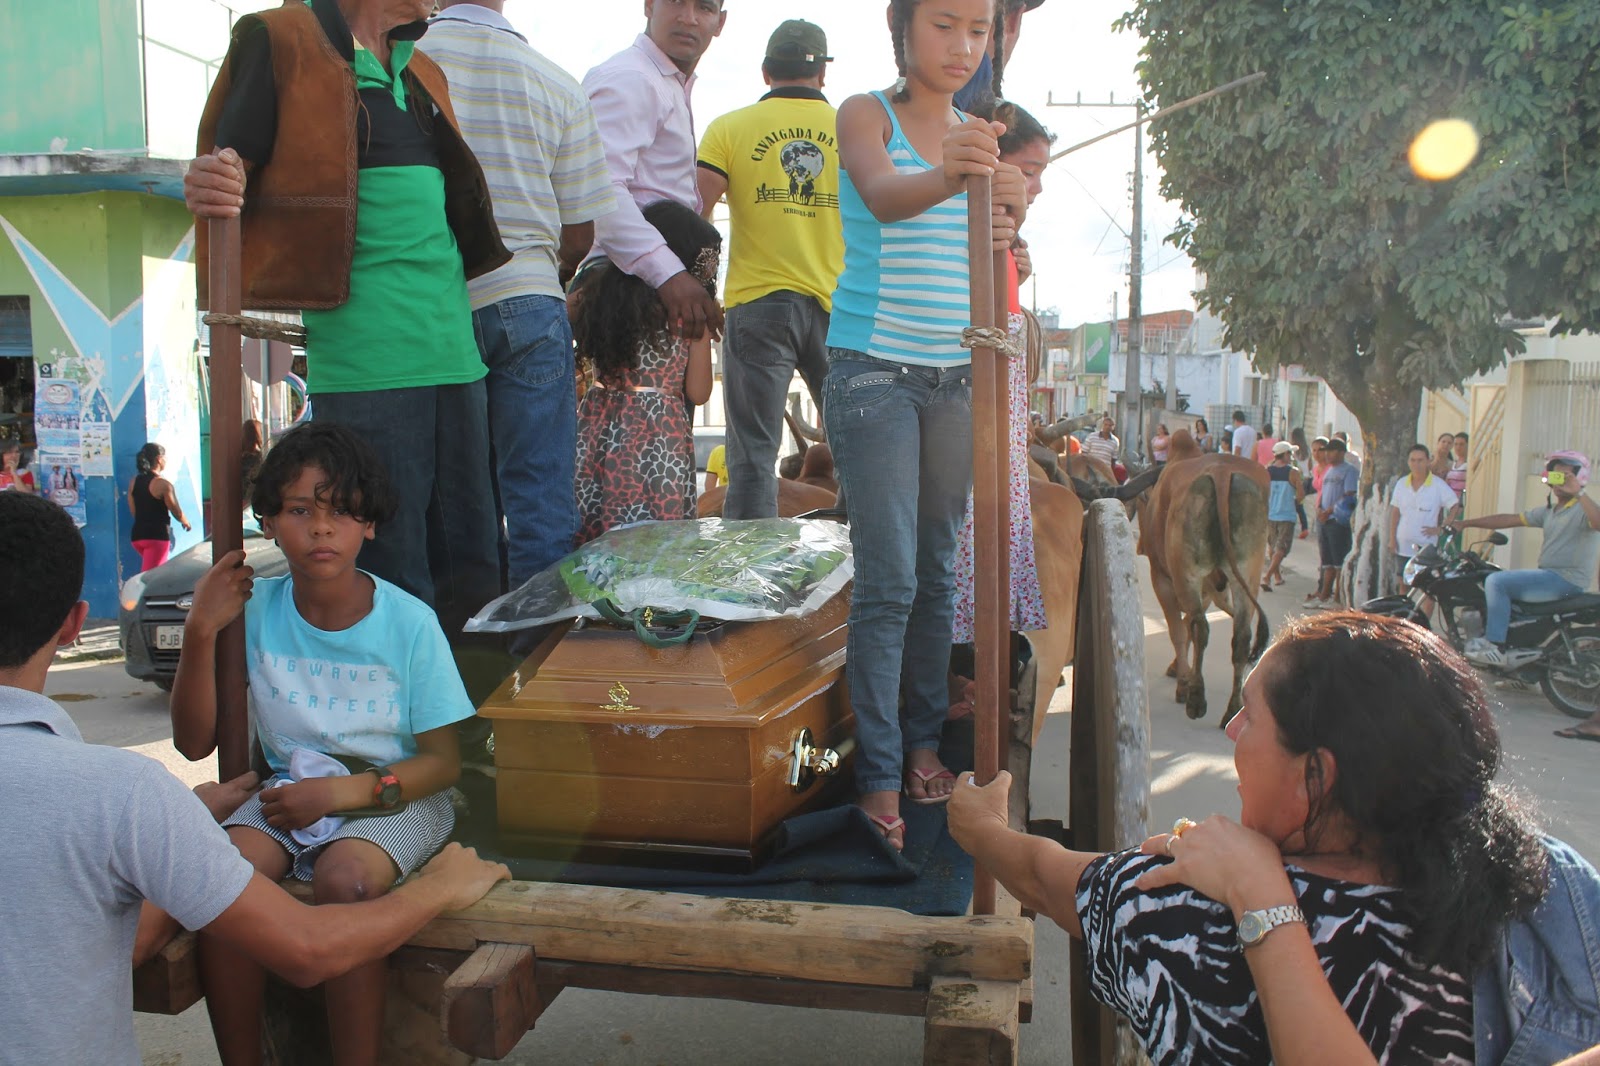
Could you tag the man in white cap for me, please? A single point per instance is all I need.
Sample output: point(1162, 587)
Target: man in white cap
point(1284, 494)
point(777, 162)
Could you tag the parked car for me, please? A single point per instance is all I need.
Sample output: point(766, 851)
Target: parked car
point(155, 604)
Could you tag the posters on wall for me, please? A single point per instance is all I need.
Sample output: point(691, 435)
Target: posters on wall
point(57, 420)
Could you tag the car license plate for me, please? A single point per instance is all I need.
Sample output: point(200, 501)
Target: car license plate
point(169, 638)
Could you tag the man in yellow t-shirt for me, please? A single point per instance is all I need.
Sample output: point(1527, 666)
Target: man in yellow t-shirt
point(777, 161)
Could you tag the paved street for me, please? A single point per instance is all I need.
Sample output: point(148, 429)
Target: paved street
point(1193, 775)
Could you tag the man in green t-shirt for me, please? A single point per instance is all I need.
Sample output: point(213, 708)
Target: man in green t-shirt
point(777, 161)
point(397, 361)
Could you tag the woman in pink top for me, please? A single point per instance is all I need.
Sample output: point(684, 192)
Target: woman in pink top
point(1265, 445)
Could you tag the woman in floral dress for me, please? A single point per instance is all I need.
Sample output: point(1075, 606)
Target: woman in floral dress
point(1025, 144)
point(635, 439)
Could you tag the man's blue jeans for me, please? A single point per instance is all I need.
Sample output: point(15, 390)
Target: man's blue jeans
point(432, 441)
point(902, 443)
point(765, 342)
point(1524, 586)
point(526, 343)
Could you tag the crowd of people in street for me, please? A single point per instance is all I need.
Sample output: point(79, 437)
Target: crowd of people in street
point(463, 234)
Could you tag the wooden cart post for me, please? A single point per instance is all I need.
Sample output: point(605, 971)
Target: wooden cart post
point(991, 518)
point(227, 508)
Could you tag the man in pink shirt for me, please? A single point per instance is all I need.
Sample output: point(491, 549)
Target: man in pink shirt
point(640, 98)
point(1265, 445)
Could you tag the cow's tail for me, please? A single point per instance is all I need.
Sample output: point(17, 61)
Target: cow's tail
point(1223, 486)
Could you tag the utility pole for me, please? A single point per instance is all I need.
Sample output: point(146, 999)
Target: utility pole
point(1130, 415)
point(1131, 397)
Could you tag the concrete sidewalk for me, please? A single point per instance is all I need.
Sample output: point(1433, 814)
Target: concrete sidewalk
point(99, 640)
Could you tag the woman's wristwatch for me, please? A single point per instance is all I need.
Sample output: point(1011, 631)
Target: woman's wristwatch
point(1255, 925)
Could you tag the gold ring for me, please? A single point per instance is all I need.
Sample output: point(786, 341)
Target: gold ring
point(1182, 826)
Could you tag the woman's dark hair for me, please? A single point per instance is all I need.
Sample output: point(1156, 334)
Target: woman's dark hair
point(1201, 423)
point(1297, 437)
point(148, 457)
point(356, 479)
point(1415, 751)
point(900, 25)
point(1022, 129)
point(618, 314)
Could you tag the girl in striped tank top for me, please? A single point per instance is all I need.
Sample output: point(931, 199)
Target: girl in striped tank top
point(897, 401)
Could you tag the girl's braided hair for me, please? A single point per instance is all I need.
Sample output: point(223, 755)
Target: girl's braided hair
point(900, 25)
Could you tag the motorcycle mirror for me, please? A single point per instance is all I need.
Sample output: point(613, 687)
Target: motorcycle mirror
point(1497, 538)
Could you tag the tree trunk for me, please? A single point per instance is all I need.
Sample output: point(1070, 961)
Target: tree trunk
point(1388, 430)
point(1387, 410)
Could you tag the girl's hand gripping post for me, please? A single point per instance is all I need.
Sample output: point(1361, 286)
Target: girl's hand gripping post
point(970, 149)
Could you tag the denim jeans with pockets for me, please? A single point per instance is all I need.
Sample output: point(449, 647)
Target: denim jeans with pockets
point(902, 443)
point(1523, 586)
point(765, 341)
point(526, 342)
point(434, 443)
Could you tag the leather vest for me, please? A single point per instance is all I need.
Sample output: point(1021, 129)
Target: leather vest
point(299, 217)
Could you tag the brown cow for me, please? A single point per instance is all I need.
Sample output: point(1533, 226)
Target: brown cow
point(794, 498)
point(1204, 530)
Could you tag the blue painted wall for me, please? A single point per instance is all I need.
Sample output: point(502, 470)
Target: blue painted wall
point(110, 282)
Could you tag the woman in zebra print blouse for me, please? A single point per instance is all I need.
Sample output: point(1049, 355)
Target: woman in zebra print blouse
point(1366, 757)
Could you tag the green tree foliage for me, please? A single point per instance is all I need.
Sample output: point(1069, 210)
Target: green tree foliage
point(1320, 246)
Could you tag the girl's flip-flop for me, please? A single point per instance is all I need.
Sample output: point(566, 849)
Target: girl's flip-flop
point(1574, 733)
point(924, 776)
point(888, 825)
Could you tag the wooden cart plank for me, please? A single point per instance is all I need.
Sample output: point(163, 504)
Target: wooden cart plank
point(674, 931)
point(170, 982)
point(971, 1022)
point(491, 1000)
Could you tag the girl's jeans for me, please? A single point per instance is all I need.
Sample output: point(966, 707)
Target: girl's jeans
point(902, 443)
point(1525, 586)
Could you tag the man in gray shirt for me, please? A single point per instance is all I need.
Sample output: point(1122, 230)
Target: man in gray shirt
point(1567, 561)
point(1334, 506)
point(90, 832)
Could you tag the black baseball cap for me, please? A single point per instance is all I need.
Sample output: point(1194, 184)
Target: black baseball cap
point(800, 40)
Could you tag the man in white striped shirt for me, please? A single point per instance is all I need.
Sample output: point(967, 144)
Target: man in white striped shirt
point(533, 131)
point(1104, 444)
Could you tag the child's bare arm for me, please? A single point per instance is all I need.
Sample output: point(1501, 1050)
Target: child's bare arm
point(218, 598)
point(435, 767)
point(697, 378)
point(892, 197)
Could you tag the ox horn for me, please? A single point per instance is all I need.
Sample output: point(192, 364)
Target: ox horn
point(1138, 486)
point(802, 431)
point(1053, 433)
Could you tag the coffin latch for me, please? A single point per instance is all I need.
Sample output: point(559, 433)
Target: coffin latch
point(808, 761)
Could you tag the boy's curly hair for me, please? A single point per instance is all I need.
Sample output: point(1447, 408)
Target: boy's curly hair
point(356, 480)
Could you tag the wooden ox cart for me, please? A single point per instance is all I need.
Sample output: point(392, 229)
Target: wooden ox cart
point(472, 983)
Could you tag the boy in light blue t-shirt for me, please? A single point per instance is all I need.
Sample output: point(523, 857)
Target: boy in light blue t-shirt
point(341, 664)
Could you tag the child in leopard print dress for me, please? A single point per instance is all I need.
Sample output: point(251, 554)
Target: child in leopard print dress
point(635, 440)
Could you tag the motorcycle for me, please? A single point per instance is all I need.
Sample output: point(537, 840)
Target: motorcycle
point(1555, 645)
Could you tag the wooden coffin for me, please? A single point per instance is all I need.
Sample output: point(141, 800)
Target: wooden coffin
point(606, 749)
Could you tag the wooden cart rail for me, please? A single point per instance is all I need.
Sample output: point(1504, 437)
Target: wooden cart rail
point(499, 963)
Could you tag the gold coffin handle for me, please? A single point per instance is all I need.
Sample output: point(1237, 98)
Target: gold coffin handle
point(807, 761)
